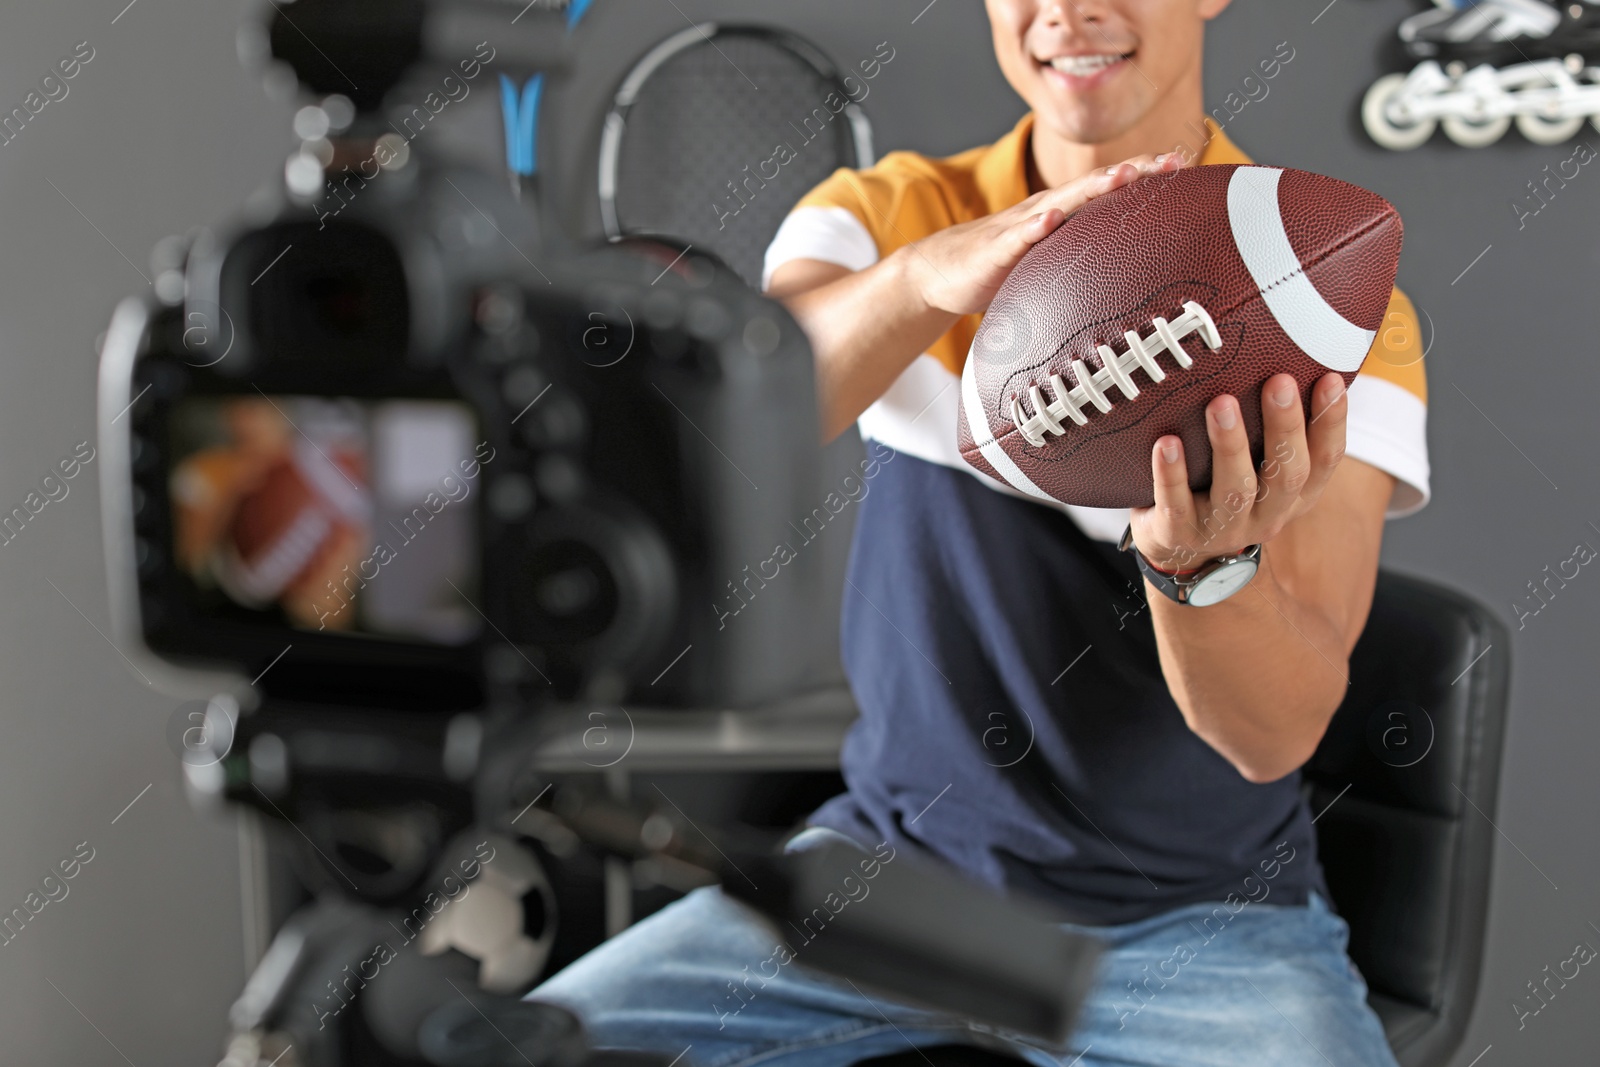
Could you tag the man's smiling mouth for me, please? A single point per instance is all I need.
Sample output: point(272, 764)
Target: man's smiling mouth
point(1086, 66)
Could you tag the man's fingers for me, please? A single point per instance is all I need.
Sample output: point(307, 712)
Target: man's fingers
point(1013, 242)
point(1325, 436)
point(1074, 194)
point(1171, 520)
point(1033, 229)
point(1233, 476)
point(1286, 462)
point(1046, 211)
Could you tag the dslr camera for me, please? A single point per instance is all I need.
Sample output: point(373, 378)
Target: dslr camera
point(405, 454)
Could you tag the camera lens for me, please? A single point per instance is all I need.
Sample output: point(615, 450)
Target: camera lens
point(572, 592)
point(567, 592)
point(595, 586)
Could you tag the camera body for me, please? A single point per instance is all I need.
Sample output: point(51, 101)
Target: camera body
point(404, 458)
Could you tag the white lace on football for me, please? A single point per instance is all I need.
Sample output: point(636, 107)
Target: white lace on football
point(1116, 371)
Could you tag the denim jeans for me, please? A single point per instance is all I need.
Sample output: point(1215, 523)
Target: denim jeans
point(1271, 986)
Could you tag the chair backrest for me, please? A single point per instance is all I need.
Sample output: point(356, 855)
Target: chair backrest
point(1403, 788)
point(718, 131)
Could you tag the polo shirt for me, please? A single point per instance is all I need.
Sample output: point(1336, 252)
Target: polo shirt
point(1014, 720)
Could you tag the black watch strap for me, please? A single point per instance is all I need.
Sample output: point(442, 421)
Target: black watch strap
point(1212, 582)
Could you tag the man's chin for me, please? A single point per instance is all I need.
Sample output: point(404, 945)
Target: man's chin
point(1085, 125)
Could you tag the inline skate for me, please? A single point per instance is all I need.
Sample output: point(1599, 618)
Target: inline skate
point(1483, 64)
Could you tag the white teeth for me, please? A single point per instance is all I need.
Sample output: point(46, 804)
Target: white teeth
point(1083, 66)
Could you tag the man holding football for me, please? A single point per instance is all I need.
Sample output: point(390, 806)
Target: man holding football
point(1040, 709)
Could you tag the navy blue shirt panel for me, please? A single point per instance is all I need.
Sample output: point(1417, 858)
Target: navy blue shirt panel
point(1015, 722)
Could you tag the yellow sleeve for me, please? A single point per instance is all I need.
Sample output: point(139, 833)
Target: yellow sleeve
point(1388, 412)
point(901, 200)
point(1396, 354)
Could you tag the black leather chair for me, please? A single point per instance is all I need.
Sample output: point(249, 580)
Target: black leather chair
point(1402, 788)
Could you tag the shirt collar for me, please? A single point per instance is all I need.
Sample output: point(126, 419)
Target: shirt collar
point(1002, 173)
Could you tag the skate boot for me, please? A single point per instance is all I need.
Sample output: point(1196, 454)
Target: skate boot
point(1487, 64)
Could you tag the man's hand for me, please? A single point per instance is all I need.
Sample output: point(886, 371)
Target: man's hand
point(867, 326)
point(1244, 506)
point(960, 269)
point(1259, 676)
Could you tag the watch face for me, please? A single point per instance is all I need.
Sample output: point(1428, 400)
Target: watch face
point(1222, 583)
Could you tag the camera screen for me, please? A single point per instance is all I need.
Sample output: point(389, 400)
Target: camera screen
point(331, 514)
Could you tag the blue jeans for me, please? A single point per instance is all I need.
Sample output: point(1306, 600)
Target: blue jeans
point(1269, 984)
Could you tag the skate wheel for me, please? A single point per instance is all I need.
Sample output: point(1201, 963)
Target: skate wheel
point(1475, 133)
point(1541, 130)
point(1377, 115)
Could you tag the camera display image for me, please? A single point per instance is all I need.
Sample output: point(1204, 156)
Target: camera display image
point(331, 514)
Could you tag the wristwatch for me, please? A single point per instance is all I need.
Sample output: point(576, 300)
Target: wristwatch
point(1211, 583)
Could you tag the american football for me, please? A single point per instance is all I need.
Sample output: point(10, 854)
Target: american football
point(1123, 324)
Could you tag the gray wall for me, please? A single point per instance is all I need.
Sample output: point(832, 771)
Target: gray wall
point(162, 131)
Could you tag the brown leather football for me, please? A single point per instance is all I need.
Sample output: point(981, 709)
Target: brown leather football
point(1122, 325)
